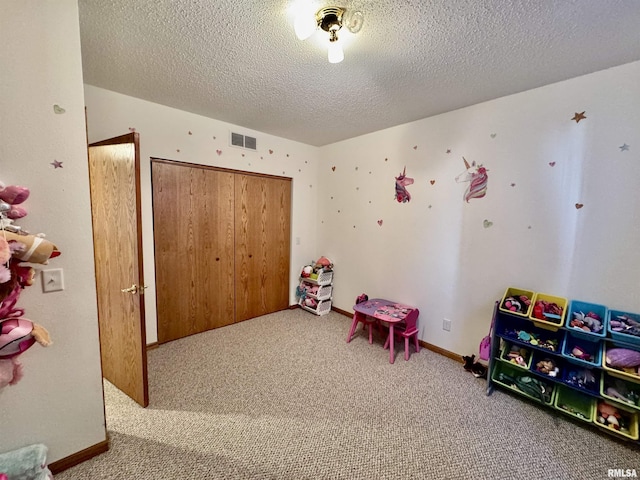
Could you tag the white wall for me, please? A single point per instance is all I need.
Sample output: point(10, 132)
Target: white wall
point(59, 401)
point(435, 252)
point(164, 133)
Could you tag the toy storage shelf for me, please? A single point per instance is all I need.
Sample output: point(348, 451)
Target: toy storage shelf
point(576, 401)
point(319, 290)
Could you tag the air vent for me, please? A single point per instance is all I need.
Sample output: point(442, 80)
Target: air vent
point(237, 139)
point(244, 141)
point(249, 142)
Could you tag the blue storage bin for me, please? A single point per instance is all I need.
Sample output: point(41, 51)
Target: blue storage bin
point(594, 349)
point(581, 377)
point(542, 363)
point(576, 306)
point(626, 337)
point(523, 331)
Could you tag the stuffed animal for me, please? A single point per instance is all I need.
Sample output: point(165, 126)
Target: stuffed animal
point(37, 249)
point(548, 367)
point(624, 358)
point(12, 196)
point(5, 256)
point(19, 334)
point(324, 264)
point(10, 371)
point(609, 415)
point(16, 336)
point(477, 369)
point(310, 302)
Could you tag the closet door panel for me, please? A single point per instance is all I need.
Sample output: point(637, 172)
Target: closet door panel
point(194, 248)
point(262, 225)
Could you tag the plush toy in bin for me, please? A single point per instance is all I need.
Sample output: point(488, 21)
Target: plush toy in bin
point(517, 305)
point(612, 417)
point(324, 264)
point(624, 359)
point(548, 366)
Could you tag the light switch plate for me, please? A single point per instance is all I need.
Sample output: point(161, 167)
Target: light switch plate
point(52, 280)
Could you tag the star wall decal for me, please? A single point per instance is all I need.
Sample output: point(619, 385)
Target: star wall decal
point(56, 164)
point(579, 116)
point(624, 147)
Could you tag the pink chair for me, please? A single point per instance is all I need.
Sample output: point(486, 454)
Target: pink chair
point(406, 329)
point(361, 314)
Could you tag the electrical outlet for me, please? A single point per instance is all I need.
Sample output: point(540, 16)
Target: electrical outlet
point(52, 280)
point(446, 324)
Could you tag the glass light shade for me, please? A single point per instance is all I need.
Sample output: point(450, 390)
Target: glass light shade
point(335, 52)
point(304, 25)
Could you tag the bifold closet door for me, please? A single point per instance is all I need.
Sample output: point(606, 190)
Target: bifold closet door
point(262, 226)
point(193, 225)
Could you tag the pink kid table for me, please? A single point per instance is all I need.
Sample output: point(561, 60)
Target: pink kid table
point(377, 310)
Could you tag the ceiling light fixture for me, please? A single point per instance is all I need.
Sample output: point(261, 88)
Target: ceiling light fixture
point(331, 20)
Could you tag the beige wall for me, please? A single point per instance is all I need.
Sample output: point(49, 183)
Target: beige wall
point(59, 400)
point(438, 253)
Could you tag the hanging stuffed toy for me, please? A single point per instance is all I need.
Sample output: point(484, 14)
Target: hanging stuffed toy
point(17, 334)
point(14, 195)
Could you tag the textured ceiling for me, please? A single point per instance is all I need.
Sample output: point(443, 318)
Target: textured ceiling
point(239, 61)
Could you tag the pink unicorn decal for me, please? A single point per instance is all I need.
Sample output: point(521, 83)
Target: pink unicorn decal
point(477, 177)
point(402, 195)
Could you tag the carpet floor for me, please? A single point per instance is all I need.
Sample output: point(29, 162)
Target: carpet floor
point(285, 397)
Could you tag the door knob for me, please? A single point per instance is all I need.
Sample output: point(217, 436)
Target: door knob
point(133, 289)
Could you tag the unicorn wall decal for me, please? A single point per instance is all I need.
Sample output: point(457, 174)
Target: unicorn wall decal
point(477, 177)
point(402, 195)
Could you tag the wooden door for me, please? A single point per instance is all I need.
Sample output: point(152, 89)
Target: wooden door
point(114, 177)
point(194, 248)
point(262, 226)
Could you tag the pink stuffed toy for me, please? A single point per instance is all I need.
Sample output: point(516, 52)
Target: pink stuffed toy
point(14, 195)
point(10, 372)
point(18, 334)
point(5, 256)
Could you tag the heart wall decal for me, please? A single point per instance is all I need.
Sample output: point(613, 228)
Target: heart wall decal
point(380, 222)
point(487, 224)
point(579, 206)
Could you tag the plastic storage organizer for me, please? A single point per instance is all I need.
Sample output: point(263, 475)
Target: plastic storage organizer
point(321, 284)
point(585, 384)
